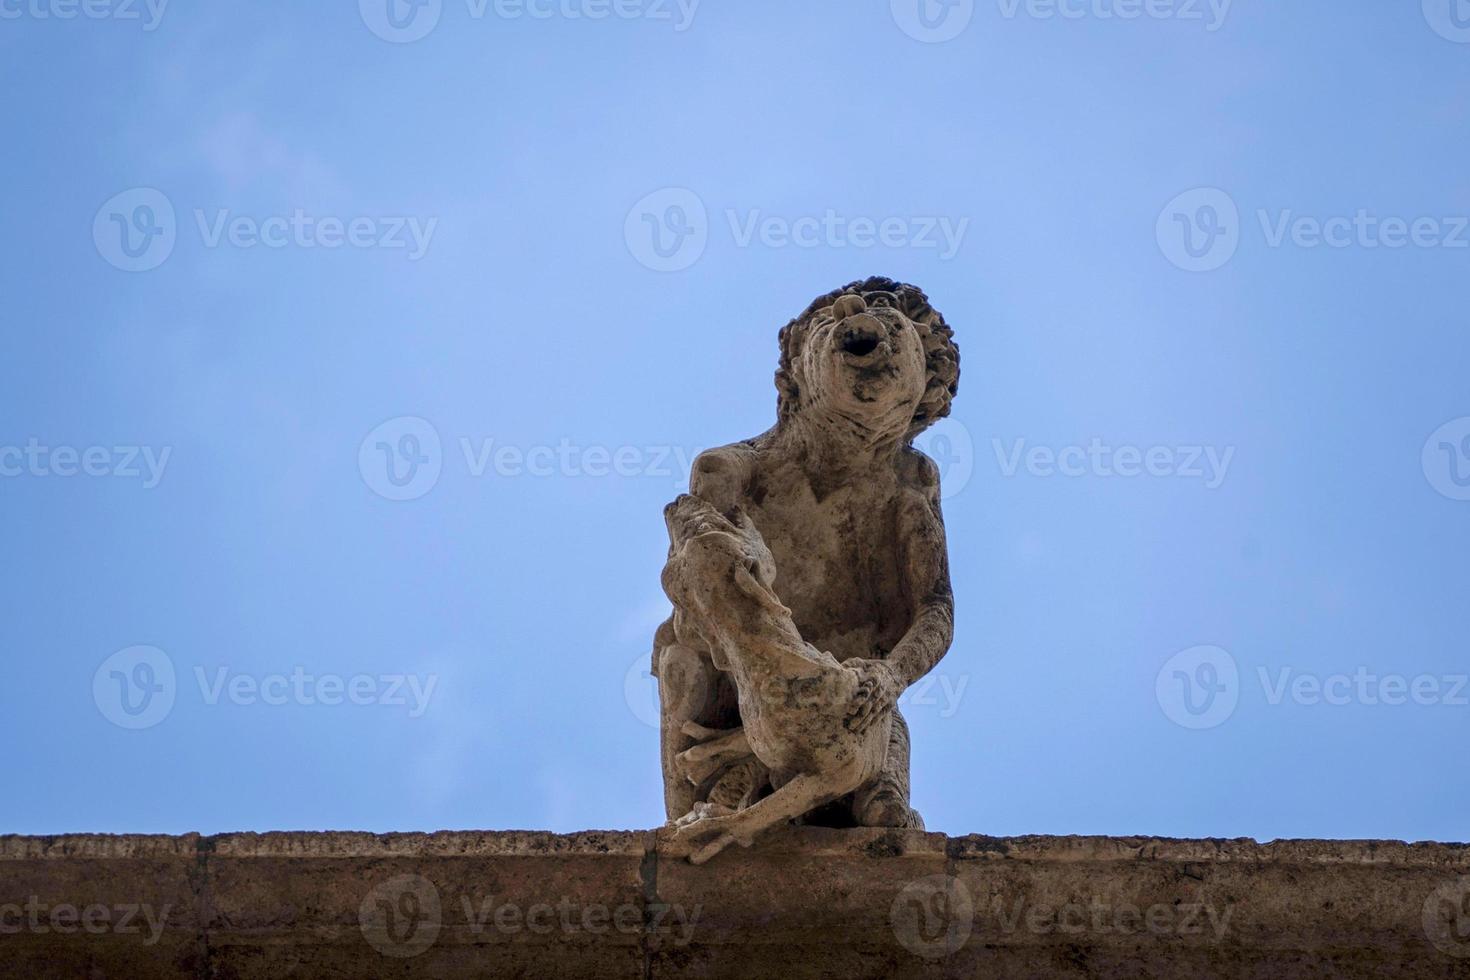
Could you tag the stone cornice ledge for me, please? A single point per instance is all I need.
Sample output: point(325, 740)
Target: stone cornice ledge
point(805, 902)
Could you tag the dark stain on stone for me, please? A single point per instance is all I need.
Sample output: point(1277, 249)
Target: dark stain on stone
point(887, 846)
point(960, 847)
point(648, 875)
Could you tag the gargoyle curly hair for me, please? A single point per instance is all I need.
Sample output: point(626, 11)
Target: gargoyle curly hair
point(942, 355)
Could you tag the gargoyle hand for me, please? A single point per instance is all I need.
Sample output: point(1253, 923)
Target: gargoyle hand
point(878, 690)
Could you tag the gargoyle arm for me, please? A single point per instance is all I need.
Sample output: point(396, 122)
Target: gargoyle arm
point(925, 564)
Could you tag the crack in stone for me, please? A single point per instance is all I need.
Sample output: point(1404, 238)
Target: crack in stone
point(648, 872)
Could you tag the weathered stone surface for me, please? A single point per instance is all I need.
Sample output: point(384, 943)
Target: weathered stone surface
point(810, 581)
point(69, 903)
point(806, 902)
point(425, 904)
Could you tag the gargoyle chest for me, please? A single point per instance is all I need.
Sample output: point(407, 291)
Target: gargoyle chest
point(837, 569)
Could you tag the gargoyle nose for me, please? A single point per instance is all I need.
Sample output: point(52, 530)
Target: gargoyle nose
point(847, 305)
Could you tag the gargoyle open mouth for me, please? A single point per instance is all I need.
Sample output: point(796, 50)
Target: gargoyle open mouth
point(860, 337)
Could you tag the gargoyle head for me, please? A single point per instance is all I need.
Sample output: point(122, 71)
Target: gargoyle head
point(874, 353)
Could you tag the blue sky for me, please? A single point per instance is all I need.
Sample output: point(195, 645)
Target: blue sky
point(258, 252)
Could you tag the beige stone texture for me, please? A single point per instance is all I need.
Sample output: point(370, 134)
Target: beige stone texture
point(809, 576)
point(807, 902)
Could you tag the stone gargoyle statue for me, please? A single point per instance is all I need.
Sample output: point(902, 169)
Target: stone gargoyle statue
point(810, 582)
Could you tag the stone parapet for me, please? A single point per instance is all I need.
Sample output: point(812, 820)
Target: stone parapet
point(805, 902)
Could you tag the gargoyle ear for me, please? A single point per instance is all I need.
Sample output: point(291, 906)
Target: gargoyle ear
point(788, 394)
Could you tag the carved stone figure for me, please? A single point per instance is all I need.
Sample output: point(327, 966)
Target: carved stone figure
point(810, 583)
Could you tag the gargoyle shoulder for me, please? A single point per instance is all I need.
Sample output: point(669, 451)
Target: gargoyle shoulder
point(721, 476)
point(918, 472)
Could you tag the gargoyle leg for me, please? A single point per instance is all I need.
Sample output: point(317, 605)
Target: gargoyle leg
point(790, 801)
